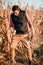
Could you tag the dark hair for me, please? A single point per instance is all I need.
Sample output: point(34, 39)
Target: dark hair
point(15, 7)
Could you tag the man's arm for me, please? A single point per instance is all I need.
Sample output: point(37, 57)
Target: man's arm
point(11, 23)
point(11, 26)
point(29, 21)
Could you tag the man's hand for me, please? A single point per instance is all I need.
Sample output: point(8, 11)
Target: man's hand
point(13, 31)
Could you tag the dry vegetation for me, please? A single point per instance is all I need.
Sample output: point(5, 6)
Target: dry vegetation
point(36, 40)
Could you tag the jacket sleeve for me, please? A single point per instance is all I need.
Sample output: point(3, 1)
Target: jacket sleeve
point(28, 19)
point(11, 23)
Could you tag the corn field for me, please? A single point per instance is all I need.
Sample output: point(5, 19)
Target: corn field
point(7, 36)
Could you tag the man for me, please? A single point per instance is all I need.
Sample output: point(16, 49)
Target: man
point(19, 20)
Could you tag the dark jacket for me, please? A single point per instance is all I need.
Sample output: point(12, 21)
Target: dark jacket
point(20, 23)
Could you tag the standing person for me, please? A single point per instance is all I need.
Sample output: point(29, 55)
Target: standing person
point(19, 20)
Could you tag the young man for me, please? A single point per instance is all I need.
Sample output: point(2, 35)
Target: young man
point(19, 20)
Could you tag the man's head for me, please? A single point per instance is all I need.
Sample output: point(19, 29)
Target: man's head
point(16, 10)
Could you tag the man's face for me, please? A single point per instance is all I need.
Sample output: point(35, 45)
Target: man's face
point(16, 12)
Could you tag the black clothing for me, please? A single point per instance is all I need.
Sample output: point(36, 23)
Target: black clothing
point(20, 23)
